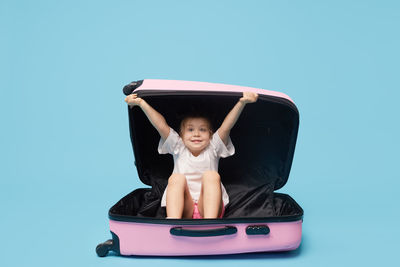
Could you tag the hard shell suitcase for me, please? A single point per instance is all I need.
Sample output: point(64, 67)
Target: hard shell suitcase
point(257, 219)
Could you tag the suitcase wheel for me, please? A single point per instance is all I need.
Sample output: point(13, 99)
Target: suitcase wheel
point(103, 248)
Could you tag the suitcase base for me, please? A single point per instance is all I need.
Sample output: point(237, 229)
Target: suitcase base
point(145, 239)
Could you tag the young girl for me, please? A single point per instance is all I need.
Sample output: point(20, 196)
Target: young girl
point(194, 189)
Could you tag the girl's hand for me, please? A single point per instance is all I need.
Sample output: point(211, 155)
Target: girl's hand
point(249, 97)
point(133, 100)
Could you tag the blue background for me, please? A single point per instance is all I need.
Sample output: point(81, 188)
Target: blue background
point(66, 156)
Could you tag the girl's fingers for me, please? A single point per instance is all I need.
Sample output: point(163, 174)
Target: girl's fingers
point(249, 97)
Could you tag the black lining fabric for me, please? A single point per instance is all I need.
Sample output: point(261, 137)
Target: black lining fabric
point(264, 138)
point(259, 203)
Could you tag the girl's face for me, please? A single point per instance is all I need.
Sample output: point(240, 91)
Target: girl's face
point(196, 134)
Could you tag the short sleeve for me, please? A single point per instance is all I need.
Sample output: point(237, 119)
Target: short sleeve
point(172, 145)
point(220, 148)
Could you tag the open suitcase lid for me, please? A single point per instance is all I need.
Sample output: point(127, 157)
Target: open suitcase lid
point(264, 136)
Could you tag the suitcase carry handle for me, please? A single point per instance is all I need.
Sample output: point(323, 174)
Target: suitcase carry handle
point(227, 230)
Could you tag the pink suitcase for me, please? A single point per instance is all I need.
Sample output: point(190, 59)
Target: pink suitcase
point(256, 219)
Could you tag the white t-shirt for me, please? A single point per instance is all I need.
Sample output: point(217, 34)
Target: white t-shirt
point(194, 167)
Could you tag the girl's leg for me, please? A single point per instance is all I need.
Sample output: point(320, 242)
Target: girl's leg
point(179, 201)
point(210, 201)
point(188, 205)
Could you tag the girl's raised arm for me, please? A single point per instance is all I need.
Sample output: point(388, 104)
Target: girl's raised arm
point(230, 119)
point(156, 119)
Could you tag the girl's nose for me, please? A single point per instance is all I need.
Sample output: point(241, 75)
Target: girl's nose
point(196, 132)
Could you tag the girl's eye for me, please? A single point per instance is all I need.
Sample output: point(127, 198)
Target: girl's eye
point(203, 129)
point(190, 129)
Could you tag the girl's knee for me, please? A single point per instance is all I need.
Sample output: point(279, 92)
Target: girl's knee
point(211, 176)
point(177, 179)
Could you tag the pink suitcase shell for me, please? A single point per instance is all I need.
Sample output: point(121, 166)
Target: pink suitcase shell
point(256, 219)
